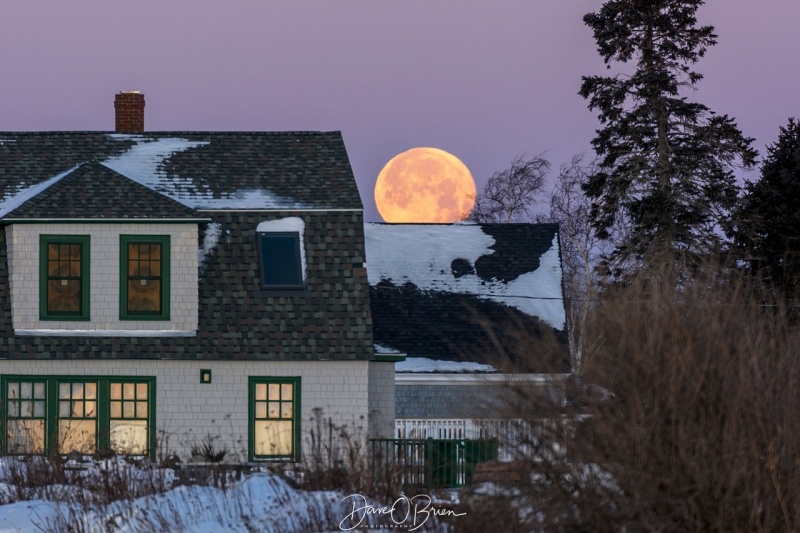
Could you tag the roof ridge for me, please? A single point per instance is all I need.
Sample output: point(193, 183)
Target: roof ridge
point(43, 186)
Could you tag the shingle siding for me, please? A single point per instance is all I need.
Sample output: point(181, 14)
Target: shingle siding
point(237, 319)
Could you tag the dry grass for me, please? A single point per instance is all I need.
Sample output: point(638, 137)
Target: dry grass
point(689, 402)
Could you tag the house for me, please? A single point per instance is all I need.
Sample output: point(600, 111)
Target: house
point(158, 288)
point(473, 307)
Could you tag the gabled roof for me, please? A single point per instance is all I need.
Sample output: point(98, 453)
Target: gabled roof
point(94, 191)
point(203, 171)
point(442, 291)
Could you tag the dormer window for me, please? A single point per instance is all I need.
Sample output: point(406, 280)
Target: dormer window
point(144, 288)
point(281, 253)
point(64, 284)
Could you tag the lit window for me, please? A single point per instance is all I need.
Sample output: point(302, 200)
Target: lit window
point(129, 414)
point(275, 421)
point(25, 417)
point(64, 277)
point(144, 284)
point(77, 417)
point(60, 415)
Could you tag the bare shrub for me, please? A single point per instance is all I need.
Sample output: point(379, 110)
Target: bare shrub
point(686, 418)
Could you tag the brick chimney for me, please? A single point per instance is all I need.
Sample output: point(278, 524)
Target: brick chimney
point(129, 106)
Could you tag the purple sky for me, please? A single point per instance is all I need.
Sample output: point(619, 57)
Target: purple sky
point(484, 80)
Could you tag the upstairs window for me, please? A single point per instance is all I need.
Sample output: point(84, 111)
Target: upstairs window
point(64, 277)
point(144, 283)
point(281, 253)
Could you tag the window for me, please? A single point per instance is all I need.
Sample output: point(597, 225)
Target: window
point(25, 416)
point(64, 277)
point(281, 263)
point(274, 418)
point(144, 277)
point(46, 415)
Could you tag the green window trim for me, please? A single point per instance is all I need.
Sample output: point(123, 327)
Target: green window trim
point(46, 243)
point(101, 399)
point(132, 243)
point(259, 412)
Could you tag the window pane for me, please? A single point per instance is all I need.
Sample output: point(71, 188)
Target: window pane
point(273, 437)
point(273, 410)
point(13, 390)
point(91, 391)
point(64, 296)
point(286, 391)
point(116, 391)
point(78, 435)
point(77, 409)
point(261, 391)
point(27, 408)
point(38, 409)
point(286, 410)
point(38, 391)
point(144, 295)
point(77, 391)
point(261, 409)
point(25, 436)
point(64, 408)
point(141, 409)
point(280, 260)
point(116, 410)
point(129, 436)
point(90, 409)
point(13, 408)
point(128, 391)
point(141, 391)
point(63, 391)
point(26, 390)
point(274, 391)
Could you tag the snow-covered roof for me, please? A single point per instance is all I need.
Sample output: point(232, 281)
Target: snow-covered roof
point(443, 258)
point(452, 292)
point(201, 170)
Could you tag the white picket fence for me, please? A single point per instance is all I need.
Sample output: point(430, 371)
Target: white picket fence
point(514, 436)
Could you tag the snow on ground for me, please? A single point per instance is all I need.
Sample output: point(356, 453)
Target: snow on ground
point(423, 364)
point(423, 255)
point(262, 502)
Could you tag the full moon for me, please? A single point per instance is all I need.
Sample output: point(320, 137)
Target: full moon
point(424, 185)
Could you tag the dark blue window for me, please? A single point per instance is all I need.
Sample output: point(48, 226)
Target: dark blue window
point(281, 266)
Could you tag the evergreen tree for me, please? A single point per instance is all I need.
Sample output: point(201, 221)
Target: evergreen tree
point(767, 224)
point(666, 164)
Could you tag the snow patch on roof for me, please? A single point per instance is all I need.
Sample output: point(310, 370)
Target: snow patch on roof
point(423, 364)
point(380, 349)
point(23, 195)
point(144, 163)
point(210, 240)
point(423, 255)
point(288, 224)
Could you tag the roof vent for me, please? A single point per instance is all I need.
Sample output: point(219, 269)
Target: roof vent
point(129, 106)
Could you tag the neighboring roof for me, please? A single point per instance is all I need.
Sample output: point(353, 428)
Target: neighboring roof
point(442, 291)
point(214, 170)
point(94, 191)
